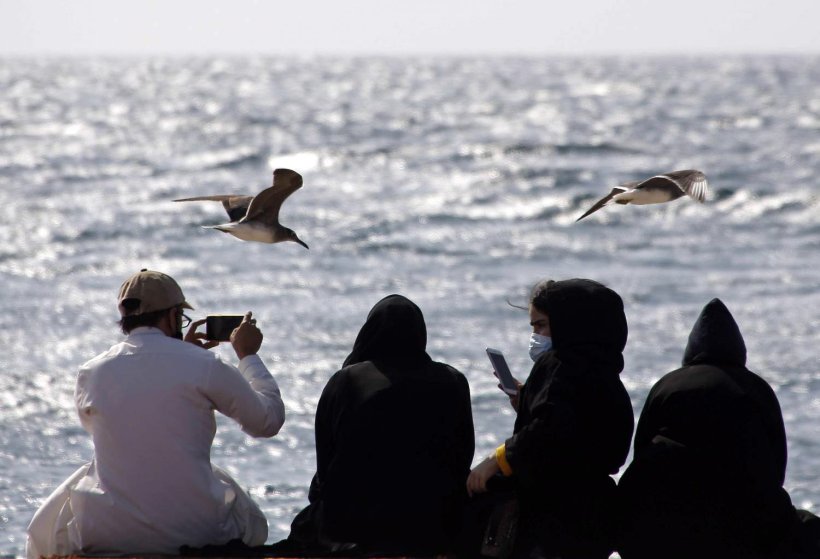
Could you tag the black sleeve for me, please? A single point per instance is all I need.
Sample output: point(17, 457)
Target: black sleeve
point(648, 421)
point(550, 435)
point(776, 429)
point(465, 429)
point(327, 419)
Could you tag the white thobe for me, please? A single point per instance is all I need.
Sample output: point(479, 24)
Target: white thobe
point(148, 403)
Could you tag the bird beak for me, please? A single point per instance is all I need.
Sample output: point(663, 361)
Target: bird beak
point(301, 242)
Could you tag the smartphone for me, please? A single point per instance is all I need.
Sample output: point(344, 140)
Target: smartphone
point(502, 371)
point(218, 327)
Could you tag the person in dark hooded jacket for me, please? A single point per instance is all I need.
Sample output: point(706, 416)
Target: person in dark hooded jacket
point(394, 443)
point(574, 424)
point(709, 460)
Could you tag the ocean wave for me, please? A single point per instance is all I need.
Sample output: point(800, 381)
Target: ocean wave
point(227, 158)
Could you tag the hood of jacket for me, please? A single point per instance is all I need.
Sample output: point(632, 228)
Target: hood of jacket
point(715, 338)
point(394, 335)
point(586, 317)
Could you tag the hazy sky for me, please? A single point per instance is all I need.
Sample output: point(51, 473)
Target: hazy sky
point(117, 27)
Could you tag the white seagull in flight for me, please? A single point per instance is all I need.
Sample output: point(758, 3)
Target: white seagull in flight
point(656, 190)
point(256, 218)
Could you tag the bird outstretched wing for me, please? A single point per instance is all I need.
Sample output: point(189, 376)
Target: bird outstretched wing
point(692, 182)
point(235, 204)
point(689, 181)
point(266, 205)
point(603, 201)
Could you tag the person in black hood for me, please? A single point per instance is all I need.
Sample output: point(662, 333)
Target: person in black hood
point(574, 424)
point(709, 461)
point(394, 443)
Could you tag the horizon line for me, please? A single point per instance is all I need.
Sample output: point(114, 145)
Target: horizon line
point(418, 54)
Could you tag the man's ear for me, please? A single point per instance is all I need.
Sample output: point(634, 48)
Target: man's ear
point(169, 323)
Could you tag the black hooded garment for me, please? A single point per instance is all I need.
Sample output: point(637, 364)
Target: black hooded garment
point(707, 475)
point(574, 424)
point(394, 443)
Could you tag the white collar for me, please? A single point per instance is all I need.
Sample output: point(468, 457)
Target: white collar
point(146, 331)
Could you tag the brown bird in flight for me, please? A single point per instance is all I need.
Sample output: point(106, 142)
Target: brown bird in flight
point(656, 190)
point(256, 218)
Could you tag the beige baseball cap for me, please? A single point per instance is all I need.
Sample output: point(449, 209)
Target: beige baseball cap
point(155, 291)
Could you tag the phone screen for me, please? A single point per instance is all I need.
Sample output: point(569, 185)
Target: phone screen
point(219, 326)
point(502, 371)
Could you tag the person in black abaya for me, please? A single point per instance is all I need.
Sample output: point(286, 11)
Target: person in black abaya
point(394, 443)
point(709, 460)
point(574, 424)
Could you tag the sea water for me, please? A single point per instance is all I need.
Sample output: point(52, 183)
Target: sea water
point(454, 181)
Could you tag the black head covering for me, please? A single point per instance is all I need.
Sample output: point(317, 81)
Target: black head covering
point(393, 336)
point(715, 338)
point(584, 316)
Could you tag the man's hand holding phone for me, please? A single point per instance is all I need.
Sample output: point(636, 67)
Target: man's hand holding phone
point(240, 330)
point(199, 339)
point(246, 339)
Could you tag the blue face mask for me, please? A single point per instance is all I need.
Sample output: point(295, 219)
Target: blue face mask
point(539, 344)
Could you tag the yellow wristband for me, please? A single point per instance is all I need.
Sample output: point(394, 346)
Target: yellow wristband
point(501, 458)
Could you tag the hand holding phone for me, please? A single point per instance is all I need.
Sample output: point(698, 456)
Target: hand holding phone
point(194, 336)
point(502, 372)
point(247, 338)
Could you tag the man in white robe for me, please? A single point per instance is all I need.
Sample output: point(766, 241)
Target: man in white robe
point(148, 403)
